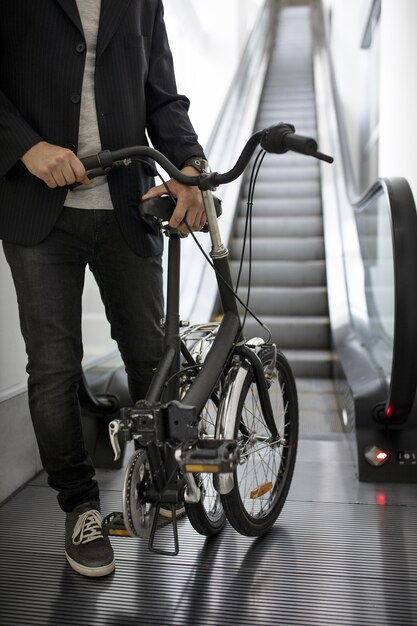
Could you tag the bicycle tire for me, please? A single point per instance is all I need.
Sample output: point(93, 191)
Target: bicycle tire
point(263, 477)
point(207, 516)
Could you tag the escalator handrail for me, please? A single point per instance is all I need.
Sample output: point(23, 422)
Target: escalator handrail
point(404, 357)
point(403, 219)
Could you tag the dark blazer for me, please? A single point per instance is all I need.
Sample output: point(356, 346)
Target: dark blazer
point(42, 60)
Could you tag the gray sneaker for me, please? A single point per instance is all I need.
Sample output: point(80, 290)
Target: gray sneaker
point(87, 546)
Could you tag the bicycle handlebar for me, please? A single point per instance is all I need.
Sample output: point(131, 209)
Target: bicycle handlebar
point(276, 139)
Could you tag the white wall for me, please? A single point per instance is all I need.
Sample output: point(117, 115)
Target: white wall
point(397, 79)
point(347, 21)
point(207, 40)
point(398, 91)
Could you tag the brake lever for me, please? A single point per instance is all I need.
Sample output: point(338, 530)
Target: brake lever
point(91, 174)
point(101, 171)
point(114, 429)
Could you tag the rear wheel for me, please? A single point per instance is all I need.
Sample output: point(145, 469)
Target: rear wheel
point(263, 477)
point(206, 516)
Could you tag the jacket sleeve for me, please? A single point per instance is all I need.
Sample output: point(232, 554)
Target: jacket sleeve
point(16, 135)
point(168, 123)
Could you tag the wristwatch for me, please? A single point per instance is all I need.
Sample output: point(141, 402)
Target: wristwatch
point(199, 163)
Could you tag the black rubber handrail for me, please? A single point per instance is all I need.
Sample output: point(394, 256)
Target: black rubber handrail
point(403, 217)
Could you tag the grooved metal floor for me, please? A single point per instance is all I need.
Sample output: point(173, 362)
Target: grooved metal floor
point(341, 553)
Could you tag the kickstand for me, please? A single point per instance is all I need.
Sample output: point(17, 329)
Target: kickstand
point(151, 542)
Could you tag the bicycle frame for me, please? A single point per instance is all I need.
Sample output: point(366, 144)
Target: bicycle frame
point(169, 430)
point(229, 336)
point(177, 422)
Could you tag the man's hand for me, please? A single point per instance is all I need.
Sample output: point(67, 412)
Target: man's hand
point(54, 165)
point(189, 203)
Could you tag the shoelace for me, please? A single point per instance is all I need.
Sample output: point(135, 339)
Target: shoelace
point(88, 528)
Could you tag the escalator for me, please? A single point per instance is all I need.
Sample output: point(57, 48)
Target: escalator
point(371, 264)
point(311, 251)
point(288, 274)
point(287, 268)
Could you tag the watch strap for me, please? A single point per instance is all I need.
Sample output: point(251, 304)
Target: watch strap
point(199, 163)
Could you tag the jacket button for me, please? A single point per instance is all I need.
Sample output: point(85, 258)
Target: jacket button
point(75, 98)
point(80, 47)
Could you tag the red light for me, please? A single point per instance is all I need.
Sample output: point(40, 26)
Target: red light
point(389, 411)
point(380, 498)
point(375, 456)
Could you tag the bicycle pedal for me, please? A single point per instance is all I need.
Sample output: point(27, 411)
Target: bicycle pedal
point(115, 525)
point(214, 456)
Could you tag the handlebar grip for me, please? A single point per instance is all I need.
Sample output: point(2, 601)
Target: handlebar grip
point(299, 143)
point(103, 160)
point(90, 162)
point(281, 138)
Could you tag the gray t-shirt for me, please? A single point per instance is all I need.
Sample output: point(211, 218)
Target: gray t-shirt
point(97, 194)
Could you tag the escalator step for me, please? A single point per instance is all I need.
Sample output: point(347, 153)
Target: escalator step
point(282, 248)
point(287, 301)
point(281, 227)
point(294, 333)
point(276, 171)
point(287, 189)
point(281, 273)
point(283, 206)
point(311, 363)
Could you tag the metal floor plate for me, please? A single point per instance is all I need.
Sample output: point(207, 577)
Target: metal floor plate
point(341, 553)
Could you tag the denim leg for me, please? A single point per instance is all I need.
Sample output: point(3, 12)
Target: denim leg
point(131, 288)
point(49, 280)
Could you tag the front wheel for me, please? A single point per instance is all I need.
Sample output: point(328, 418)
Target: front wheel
point(263, 477)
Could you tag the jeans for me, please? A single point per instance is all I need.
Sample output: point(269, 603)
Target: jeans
point(49, 280)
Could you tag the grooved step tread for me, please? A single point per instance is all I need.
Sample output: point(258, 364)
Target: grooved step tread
point(281, 273)
point(281, 227)
point(282, 248)
point(295, 301)
point(311, 363)
point(303, 333)
point(289, 189)
point(275, 171)
point(283, 206)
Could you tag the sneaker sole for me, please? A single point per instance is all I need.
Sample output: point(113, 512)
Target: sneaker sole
point(92, 572)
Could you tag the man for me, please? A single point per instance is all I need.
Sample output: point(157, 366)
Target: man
point(78, 76)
